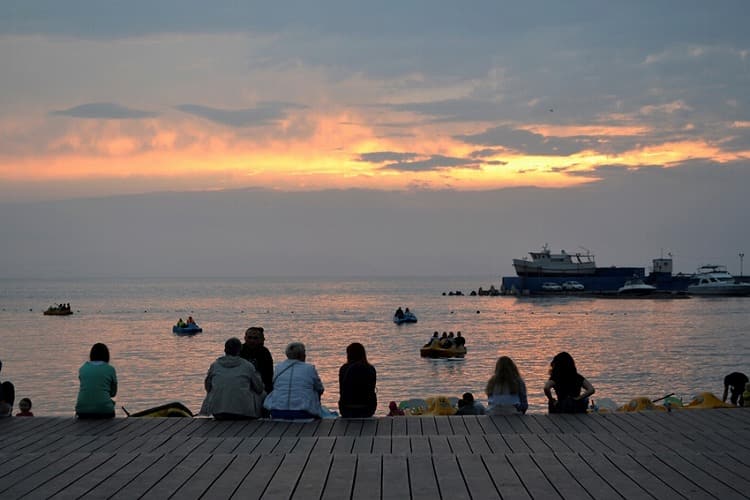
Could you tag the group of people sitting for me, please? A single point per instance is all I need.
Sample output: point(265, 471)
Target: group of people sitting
point(182, 324)
point(244, 384)
point(446, 341)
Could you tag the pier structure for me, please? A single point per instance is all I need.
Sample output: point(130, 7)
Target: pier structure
point(680, 454)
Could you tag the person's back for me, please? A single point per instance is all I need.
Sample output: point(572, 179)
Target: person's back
point(357, 380)
point(506, 389)
point(234, 387)
point(254, 351)
point(568, 385)
point(98, 385)
point(296, 387)
point(468, 406)
point(736, 382)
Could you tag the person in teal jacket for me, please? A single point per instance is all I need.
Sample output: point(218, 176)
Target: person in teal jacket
point(98, 385)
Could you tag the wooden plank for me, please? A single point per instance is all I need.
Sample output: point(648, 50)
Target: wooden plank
point(340, 477)
point(449, 478)
point(381, 444)
point(313, 478)
point(82, 469)
point(369, 427)
point(199, 482)
point(323, 445)
point(443, 425)
point(228, 444)
point(16, 461)
point(472, 425)
point(534, 443)
point(384, 426)
point(517, 423)
point(285, 479)
point(554, 443)
point(123, 476)
point(429, 427)
point(339, 427)
point(501, 425)
point(497, 444)
point(728, 462)
point(229, 481)
point(594, 485)
point(398, 427)
point(267, 445)
point(286, 445)
point(507, 482)
point(104, 472)
point(459, 445)
point(413, 426)
point(439, 445)
point(478, 444)
point(255, 483)
point(477, 478)
point(422, 480)
point(354, 427)
point(702, 480)
point(623, 483)
point(532, 477)
point(516, 443)
point(343, 445)
point(566, 484)
point(247, 445)
point(34, 474)
point(420, 445)
point(304, 445)
point(458, 426)
point(400, 445)
point(162, 477)
point(362, 444)
point(368, 474)
point(395, 480)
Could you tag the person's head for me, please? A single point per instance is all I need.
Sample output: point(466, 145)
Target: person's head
point(254, 336)
point(392, 406)
point(99, 352)
point(467, 399)
point(562, 367)
point(232, 347)
point(24, 404)
point(295, 350)
point(435, 334)
point(506, 376)
point(458, 334)
point(355, 352)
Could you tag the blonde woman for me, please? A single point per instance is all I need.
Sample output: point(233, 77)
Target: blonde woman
point(506, 390)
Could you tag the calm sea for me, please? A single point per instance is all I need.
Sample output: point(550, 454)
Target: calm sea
point(626, 348)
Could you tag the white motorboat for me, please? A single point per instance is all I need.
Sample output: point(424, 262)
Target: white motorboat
point(546, 263)
point(636, 286)
point(714, 280)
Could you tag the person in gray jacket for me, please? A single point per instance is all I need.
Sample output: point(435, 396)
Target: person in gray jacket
point(296, 387)
point(233, 386)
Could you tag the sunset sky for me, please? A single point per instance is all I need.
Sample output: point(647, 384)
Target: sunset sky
point(99, 99)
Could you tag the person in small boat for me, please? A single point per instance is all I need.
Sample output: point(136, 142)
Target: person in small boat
point(234, 389)
point(7, 396)
point(571, 388)
point(255, 351)
point(460, 341)
point(433, 340)
point(506, 389)
point(468, 406)
point(736, 382)
point(98, 385)
point(181, 323)
point(446, 342)
point(407, 311)
point(25, 406)
point(190, 321)
point(400, 313)
point(296, 387)
point(357, 379)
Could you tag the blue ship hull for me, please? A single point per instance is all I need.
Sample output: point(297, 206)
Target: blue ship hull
point(605, 279)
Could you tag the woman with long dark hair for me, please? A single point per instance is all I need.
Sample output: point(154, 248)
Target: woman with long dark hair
point(568, 385)
point(357, 378)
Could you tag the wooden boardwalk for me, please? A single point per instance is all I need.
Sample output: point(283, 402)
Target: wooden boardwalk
point(682, 454)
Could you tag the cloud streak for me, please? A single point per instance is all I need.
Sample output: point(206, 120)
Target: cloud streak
point(104, 111)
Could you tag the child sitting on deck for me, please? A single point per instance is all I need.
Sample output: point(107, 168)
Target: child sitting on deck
point(25, 406)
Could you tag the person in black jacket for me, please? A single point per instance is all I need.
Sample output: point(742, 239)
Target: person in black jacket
point(254, 351)
point(357, 379)
point(7, 397)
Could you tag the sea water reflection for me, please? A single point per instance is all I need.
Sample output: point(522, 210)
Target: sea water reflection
point(625, 348)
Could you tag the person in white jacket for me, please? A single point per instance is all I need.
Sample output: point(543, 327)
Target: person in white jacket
point(233, 386)
point(296, 387)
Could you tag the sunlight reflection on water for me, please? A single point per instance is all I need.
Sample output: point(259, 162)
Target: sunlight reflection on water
point(626, 348)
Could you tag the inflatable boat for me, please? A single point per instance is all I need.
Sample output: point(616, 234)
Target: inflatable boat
point(187, 330)
point(408, 317)
point(435, 351)
point(175, 409)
